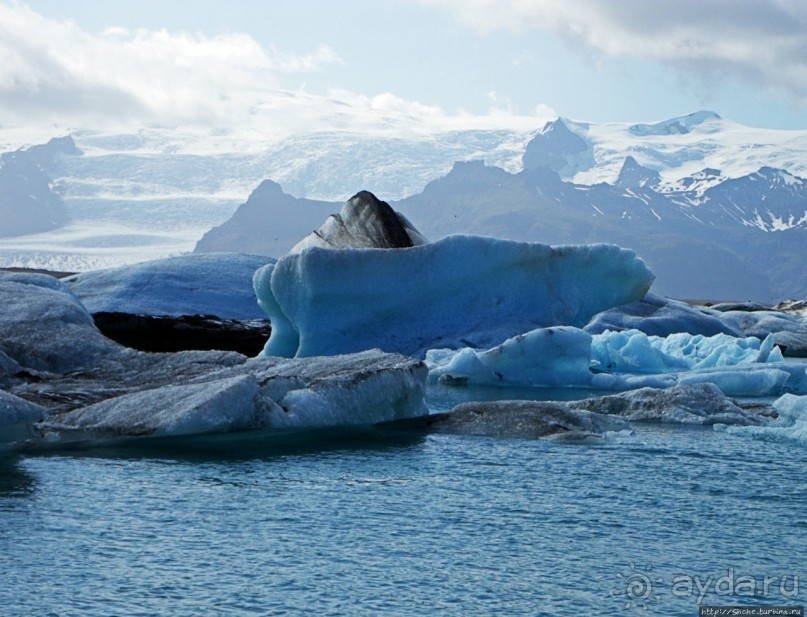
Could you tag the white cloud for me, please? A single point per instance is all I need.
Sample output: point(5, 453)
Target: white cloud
point(55, 70)
point(760, 41)
point(55, 76)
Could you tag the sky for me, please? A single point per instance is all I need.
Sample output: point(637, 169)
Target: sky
point(295, 66)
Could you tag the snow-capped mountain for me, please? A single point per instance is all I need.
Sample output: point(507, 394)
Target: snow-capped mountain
point(740, 238)
point(698, 187)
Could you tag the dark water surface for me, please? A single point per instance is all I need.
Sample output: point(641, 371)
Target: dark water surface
point(370, 523)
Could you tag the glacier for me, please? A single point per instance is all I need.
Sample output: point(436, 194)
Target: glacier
point(456, 292)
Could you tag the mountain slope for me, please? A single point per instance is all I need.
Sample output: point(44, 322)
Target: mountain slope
point(28, 203)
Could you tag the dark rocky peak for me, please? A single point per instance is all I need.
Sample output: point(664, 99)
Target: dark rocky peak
point(267, 189)
point(472, 173)
point(364, 222)
point(777, 177)
point(633, 175)
point(560, 149)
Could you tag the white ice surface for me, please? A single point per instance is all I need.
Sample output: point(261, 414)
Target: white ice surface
point(789, 427)
point(217, 284)
point(216, 406)
point(459, 291)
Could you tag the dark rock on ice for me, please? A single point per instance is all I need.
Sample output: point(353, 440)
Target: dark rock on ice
point(364, 222)
point(188, 332)
point(738, 306)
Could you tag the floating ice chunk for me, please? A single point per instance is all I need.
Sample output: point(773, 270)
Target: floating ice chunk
point(632, 351)
point(458, 291)
point(44, 327)
point(762, 323)
point(201, 284)
point(789, 427)
point(681, 404)
point(527, 419)
point(567, 356)
point(17, 417)
point(549, 357)
point(354, 389)
point(787, 330)
point(745, 380)
point(217, 406)
point(659, 316)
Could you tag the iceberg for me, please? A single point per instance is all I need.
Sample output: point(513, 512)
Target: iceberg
point(790, 425)
point(545, 357)
point(570, 357)
point(217, 284)
point(519, 419)
point(701, 405)
point(658, 316)
point(212, 407)
point(17, 417)
point(262, 393)
point(44, 327)
point(632, 351)
point(457, 292)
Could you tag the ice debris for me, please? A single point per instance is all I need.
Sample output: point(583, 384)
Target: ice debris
point(558, 357)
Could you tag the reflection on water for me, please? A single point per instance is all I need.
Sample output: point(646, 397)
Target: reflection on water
point(248, 445)
point(14, 480)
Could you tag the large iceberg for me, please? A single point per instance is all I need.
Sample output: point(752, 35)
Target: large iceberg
point(456, 292)
point(63, 379)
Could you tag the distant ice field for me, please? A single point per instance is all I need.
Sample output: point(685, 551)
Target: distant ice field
point(108, 233)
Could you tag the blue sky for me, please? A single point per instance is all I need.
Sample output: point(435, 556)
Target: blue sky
point(73, 61)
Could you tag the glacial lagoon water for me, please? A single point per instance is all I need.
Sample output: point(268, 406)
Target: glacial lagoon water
point(368, 523)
